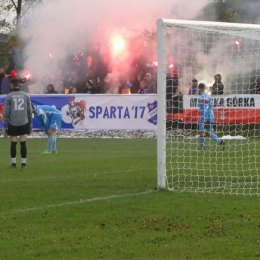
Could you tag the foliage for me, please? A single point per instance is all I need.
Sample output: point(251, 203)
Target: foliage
point(10, 22)
point(4, 54)
point(238, 11)
point(13, 41)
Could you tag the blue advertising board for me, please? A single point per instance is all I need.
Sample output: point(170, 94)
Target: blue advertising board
point(99, 112)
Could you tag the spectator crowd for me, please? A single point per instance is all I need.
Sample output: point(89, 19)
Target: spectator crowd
point(88, 73)
point(91, 73)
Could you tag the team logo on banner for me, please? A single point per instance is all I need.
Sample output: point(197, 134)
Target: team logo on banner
point(76, 110)
point(222, 115)
point(152, 112)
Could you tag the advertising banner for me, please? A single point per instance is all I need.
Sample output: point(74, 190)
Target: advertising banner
point(228, 109)
point(100, 112)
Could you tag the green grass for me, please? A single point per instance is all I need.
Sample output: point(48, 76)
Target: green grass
point(97, 199)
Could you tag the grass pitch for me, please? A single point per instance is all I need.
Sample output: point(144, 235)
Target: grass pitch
point(97, 199)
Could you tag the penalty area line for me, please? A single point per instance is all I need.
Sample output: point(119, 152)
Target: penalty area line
point(80, 201)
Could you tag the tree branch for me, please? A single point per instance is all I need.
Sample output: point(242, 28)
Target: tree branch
point(29, 6)
point(14, 4)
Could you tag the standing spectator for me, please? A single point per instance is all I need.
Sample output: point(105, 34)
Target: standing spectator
point(89, 74)
point(96, 56)
point(50, 120)
point(47, 79)
point(193, 90)
point(77, 57)
point(96, 60)
point(66, 77)
point(79, 69)
point(72, 90)
point(59, 86)
point(58, 76)
point(74, 80)
point(2, 76)
point(50, 89)
point(6, 88)
point(257, 91)
point(89, 68)
point(90, 89)
point(150, 84)
point(218, 87)
point(206, 119)
point(59, 81)
point(17, 119)
point(143, 87)
point(103, 70)
point(136, 83)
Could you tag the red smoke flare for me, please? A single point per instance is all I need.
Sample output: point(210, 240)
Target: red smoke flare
point(118, 45)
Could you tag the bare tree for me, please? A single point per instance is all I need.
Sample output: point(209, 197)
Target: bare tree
point(12, 13)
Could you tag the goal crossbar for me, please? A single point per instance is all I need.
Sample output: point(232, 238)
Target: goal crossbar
point(251, 31)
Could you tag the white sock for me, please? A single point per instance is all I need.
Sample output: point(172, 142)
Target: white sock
point(13, 160)
point(24, 160)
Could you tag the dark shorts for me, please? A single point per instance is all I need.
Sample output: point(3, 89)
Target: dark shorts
point(18, 130)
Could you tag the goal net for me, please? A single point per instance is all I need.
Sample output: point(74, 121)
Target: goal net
point(190, 50)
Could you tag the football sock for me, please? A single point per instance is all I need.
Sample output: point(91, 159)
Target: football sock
point(13, 149)
point(202, 143)
point(215, 138)
point(50, 143)
point(23, 160)
point(54, 148)
point(23, 149)
point(13, 160)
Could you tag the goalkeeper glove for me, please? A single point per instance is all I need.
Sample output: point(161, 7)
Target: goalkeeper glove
point(5, 129)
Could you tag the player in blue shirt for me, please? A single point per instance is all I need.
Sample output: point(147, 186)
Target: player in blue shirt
point(206, 118)
point(50, 120)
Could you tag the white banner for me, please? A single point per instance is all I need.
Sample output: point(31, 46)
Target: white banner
point(104, 112)
point(224, 101)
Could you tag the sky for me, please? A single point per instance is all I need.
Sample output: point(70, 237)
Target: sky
point(58, 26)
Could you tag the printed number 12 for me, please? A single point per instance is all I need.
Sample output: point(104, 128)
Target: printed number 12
point(18, 103)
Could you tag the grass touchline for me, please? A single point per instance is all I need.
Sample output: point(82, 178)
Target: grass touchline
point(80, 201)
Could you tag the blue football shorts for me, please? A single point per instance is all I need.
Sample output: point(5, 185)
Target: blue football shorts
point(55, 123)
point(208, 127)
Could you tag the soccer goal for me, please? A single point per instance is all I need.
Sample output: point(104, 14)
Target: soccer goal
point(199, 50)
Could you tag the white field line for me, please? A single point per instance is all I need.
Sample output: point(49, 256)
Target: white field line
point(79, 202)
point(94, 174)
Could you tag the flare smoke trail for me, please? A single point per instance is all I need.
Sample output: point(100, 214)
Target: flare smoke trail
point(58, 27)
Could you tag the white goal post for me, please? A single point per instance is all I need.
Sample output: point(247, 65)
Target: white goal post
point(201, 49)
